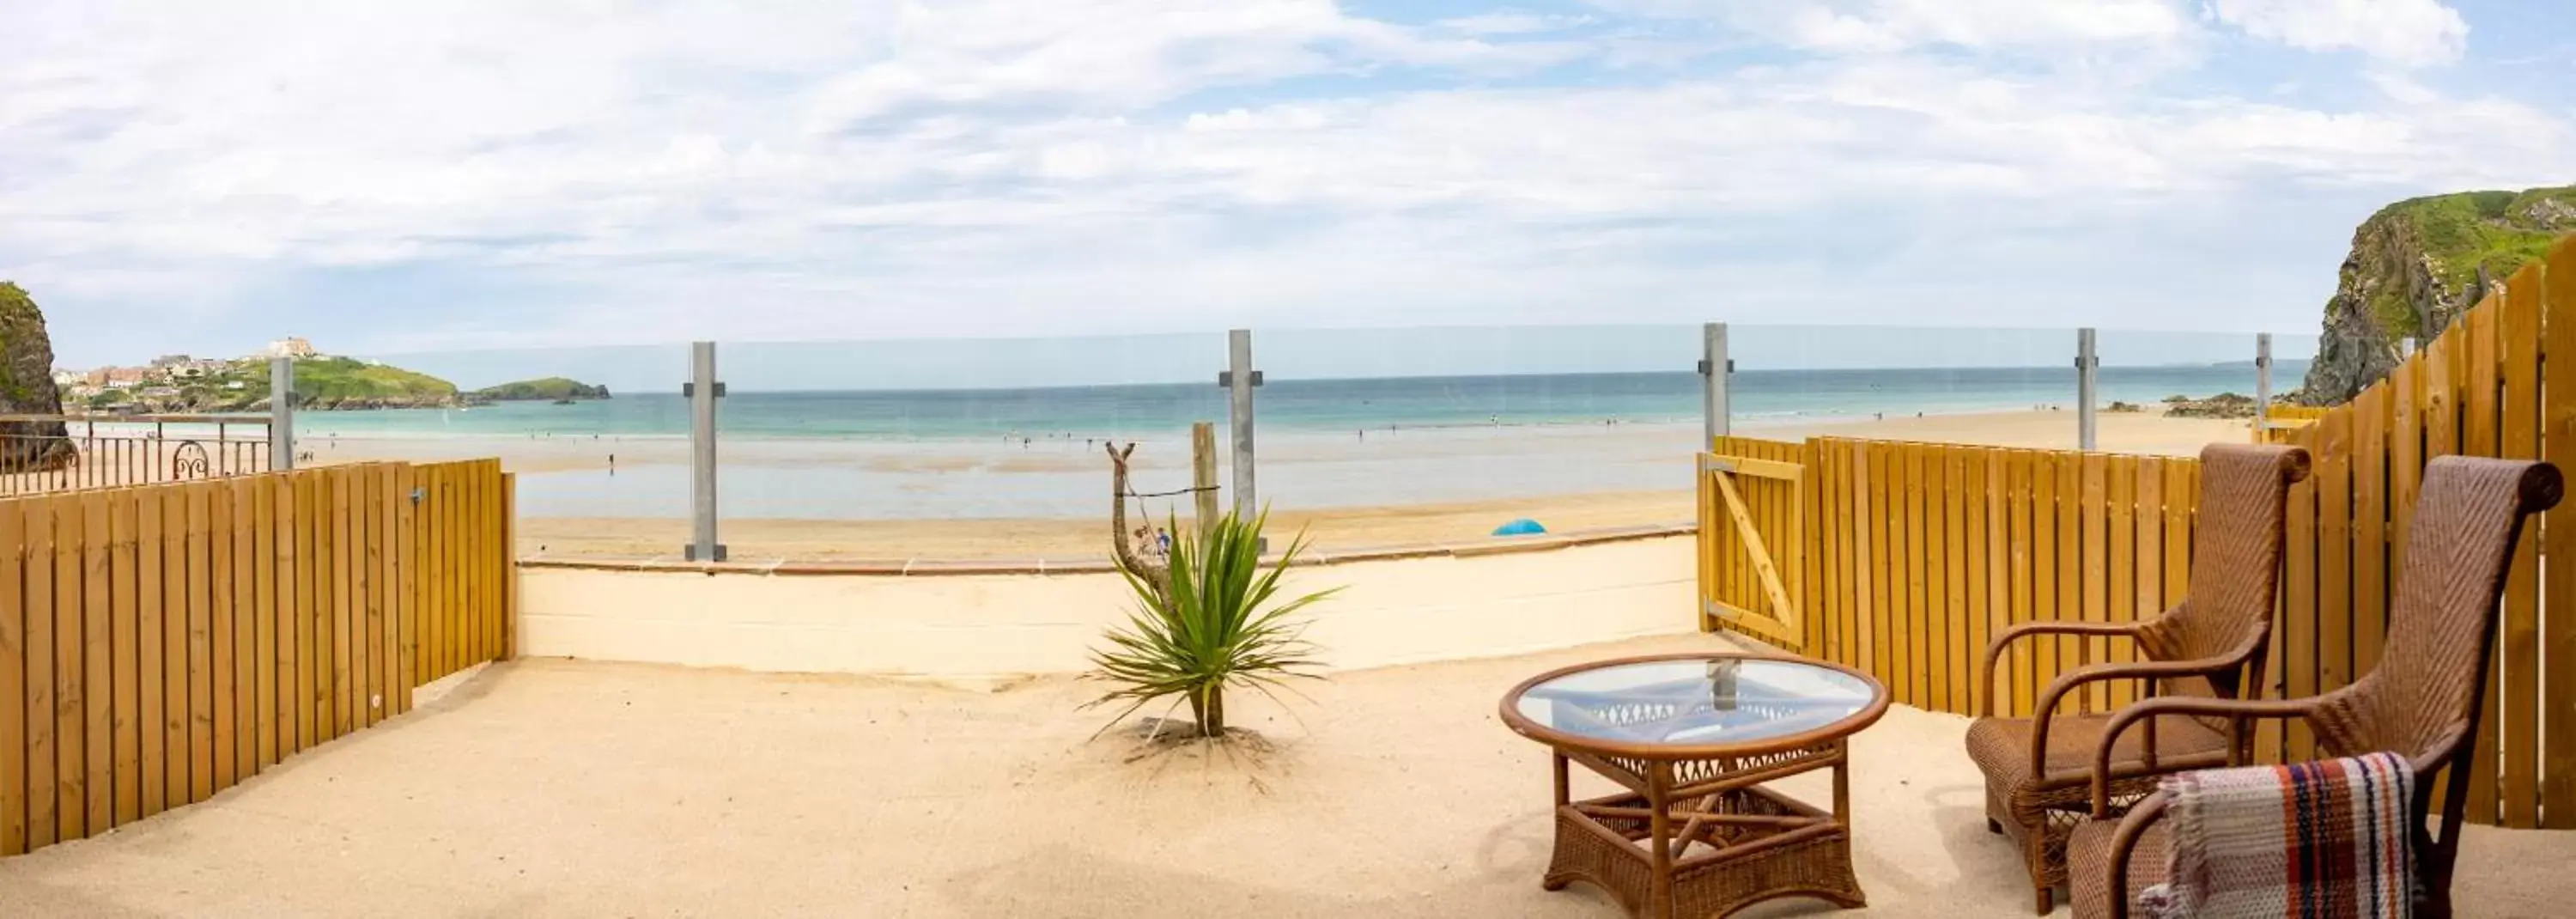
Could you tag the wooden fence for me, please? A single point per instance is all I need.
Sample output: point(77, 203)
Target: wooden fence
point(1904, 560)
point(160, 644)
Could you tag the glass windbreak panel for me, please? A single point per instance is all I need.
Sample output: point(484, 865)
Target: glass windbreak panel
point(2171, 393)
point(1448, 436)
point(917, 451)
point(2005, 387)
point(598, 436)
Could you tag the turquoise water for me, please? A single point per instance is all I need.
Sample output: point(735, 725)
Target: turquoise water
point(1126, 411)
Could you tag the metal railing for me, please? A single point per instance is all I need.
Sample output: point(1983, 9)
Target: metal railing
point(62, 453)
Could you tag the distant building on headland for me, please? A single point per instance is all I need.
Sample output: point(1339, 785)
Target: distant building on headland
point(290, 346)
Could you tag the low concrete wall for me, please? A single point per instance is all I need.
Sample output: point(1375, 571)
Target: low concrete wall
point(983, 627)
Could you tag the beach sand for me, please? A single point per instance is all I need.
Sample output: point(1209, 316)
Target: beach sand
point(568, 788)
point(1330, 525)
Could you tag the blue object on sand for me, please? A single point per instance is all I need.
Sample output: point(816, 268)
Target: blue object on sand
point(1521, 527)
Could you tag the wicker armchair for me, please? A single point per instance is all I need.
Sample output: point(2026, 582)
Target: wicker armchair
point(2038, 769)
point(2422, 700)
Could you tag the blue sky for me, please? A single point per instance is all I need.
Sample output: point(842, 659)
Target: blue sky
point(203, 177)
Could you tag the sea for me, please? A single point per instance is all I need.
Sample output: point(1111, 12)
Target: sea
point(1036, 452)
point(1309, 406)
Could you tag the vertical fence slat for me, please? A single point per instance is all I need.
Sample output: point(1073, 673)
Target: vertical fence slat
point(98, 659)
point(2090, 496)
point(265, 598)
point(44, 825)
point(1939, 618)
point(2373, 424)
point(1868, 629)
point(2517, 336)
point(219, 643)
point(125, 655)
point(2053, 576)
point(1976, 468)
point(174, 645)
point(1887, 532)
point(2020, 486)
point(308, 598)
point(2298, 623)
point(2149, 524)
point(2333, 477)
point(407, 609)
point(201, 649)
point(1907, 533)
point(2558, 539)
point(380, 576)
point(1956, 557)
point(244, 687)
point(344, 598)
point(2120, 488)
point(71, 767)
point(2072, 651)
point(14, 604)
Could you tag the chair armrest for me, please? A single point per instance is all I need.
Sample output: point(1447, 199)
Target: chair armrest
point(2102, 673)
point(1995, 650)
point(2124, 842)
point(2232, 709)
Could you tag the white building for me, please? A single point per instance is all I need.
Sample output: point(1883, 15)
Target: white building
point(65, 378)
point(290, 346)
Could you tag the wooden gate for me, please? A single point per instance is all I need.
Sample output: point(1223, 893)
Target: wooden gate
point(1752, 500)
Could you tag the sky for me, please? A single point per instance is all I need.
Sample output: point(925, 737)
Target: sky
point(192, 177)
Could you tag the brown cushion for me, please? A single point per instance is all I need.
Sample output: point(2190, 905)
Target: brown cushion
point(2001, 748)
point(2087, 864)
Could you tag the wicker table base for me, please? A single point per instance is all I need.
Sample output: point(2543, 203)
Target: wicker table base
point(1722, 842)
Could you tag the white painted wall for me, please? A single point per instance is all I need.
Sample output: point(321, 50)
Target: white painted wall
point(984, 627)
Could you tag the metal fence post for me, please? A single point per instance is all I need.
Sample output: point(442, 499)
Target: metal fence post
point(2262, 386)
point(2087, 368)
point(703, 391)
point(1238, 379)
point(1717, 414)
point(281, 414)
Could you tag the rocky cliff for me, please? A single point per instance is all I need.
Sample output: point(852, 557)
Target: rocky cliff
point(2415, 266)
point(27, 387)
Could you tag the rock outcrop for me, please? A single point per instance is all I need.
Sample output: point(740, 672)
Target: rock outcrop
point(2416, 266)
point(27, 388)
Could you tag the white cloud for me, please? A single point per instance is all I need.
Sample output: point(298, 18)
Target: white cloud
point(954, 168)
point(2405, 32)
point(1512, 22)
point(1898, 25)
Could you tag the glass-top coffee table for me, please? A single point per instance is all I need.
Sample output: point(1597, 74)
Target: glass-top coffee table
point(1692, 737)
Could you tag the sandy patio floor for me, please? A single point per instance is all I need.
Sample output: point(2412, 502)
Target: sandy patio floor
point(560, 788)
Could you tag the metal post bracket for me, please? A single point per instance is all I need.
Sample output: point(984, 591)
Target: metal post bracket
point(1226, 378)
point(691, 389)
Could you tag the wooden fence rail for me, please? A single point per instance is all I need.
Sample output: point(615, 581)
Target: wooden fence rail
point(160, 644)
point(1905, 559)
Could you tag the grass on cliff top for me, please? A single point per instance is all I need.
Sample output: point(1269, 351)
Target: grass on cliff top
point(2490, 229)
point(336, 379)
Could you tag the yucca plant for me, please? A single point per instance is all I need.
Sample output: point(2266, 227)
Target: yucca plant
point(1208, 625)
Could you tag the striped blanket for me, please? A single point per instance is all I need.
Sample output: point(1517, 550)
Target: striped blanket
point(2316, 840)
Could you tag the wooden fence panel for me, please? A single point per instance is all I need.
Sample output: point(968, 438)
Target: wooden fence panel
point(159, 644)
point(1917, 554)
